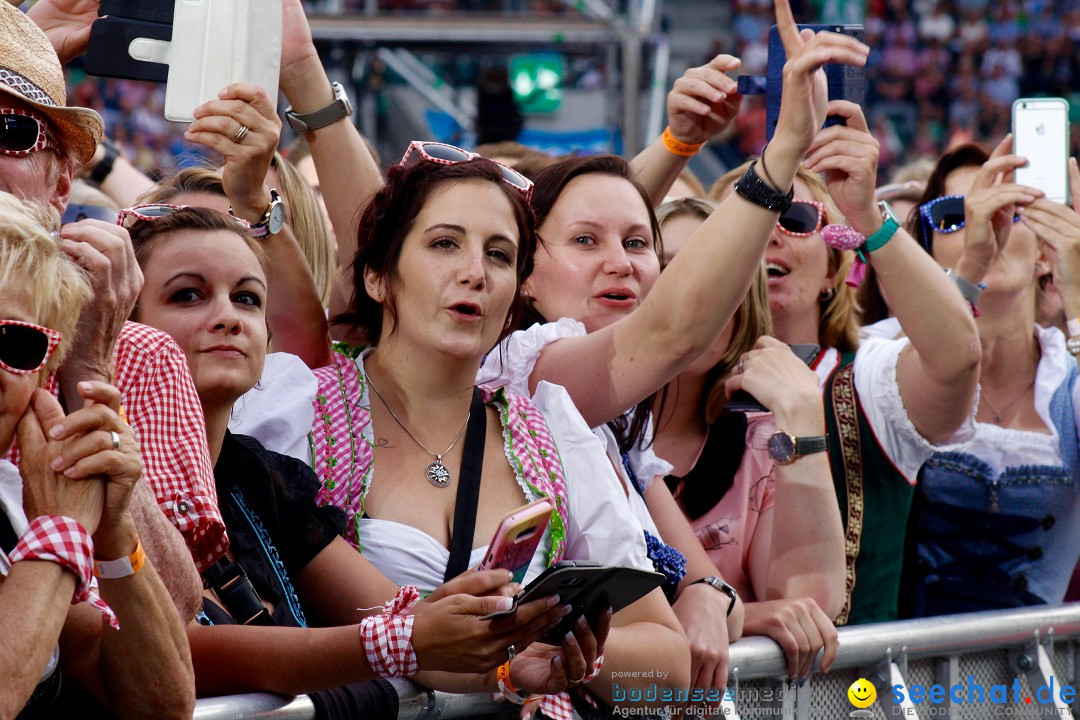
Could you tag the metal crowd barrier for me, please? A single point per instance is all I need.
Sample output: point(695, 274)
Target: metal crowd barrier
point(1023, 650)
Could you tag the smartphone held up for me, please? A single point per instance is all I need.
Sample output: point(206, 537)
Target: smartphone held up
point(1040, 128)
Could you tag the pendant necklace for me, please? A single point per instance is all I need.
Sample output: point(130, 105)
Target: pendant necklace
point(997, 414)
point(436, 473)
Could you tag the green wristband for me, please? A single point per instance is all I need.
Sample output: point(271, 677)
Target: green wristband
point(884, 234)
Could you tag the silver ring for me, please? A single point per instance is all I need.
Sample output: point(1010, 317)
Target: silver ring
point(241, 134)
point(115, 439)
point(512, 652)
point(740, 368)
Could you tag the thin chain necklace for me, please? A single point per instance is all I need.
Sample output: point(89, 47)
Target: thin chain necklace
point(997, 413)
point(436, 473)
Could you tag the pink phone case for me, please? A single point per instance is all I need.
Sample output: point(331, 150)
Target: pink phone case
point(517, 537)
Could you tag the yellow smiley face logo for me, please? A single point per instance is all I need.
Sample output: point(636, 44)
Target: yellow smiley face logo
point(862, 693)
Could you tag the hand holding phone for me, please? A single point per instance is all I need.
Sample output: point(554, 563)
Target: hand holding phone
point(1040, 129)
point(742, 401)
point(589, 588)
point(517, 537)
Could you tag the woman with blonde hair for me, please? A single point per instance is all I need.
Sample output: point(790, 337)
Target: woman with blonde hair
point(773, 530)
point(65, 511)
point(889, 404)
point(837, 303)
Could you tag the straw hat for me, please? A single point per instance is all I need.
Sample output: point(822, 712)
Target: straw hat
point(30, 71)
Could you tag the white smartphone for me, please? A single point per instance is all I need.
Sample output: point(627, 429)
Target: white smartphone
point(1040, 129)
point(219, 42)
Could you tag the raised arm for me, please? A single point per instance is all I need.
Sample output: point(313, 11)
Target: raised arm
point(1058, 226)
point(295, 313)
point(700, 106)
point(612, 369)
point(348, 174)
point(938, 373)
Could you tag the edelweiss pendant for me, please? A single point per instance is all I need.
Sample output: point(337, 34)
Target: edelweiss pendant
point(437, 474)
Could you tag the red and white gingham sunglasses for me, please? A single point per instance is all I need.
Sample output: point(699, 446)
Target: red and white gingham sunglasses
point(22, 133)
point(444, 154)
point(26, 347)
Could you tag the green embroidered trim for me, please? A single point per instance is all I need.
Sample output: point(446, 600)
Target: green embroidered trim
point(555, 525)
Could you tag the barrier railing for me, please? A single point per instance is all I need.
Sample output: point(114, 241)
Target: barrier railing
point(988, 664)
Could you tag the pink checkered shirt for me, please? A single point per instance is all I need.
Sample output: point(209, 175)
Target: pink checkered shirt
point(62, 540)
point(163, 408)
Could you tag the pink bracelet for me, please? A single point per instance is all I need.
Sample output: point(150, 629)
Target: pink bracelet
point(387, 638)
point(59, 539)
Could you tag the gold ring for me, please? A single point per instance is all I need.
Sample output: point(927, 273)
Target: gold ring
point(241, 134)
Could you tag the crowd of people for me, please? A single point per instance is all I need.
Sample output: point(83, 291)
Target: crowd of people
point(793, 404)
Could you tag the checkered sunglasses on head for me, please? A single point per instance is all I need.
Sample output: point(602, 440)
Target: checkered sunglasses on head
point(22, 133)
point(444, 154)
point(26, 347)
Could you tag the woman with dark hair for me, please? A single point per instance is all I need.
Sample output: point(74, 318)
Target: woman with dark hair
point(997, 521)
point(444, 248)
point(282, 609)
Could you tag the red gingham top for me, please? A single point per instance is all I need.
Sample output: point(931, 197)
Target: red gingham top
point(164, 410)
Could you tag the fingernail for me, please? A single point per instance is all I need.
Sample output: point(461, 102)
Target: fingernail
point(582, 622)
point(515, 588)
point(504, 603)
point(56, 432)
point(557, 660)
point(553, 600)
point(609, 612)
point(57, 463)
point(565, 610)
point(85, 386)
point(569, 638)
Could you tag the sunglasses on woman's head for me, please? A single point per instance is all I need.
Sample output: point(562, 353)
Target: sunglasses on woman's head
point(155, 211)
point(22, 133)
point(444, 154)
point(25, 347)
point(802, 218)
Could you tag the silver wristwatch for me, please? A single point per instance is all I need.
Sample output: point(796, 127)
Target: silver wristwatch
point(306, 122)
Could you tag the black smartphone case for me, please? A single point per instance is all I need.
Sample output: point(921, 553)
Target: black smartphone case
point(107, 55)
point(588, 587)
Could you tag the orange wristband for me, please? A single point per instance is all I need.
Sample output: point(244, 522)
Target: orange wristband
point(678, 147)
point(113, 569)
point(507, 688)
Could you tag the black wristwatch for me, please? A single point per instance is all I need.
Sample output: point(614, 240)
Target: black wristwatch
point(722, 586)
point(755, 190)
point(785, 449)
point(104, 167)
